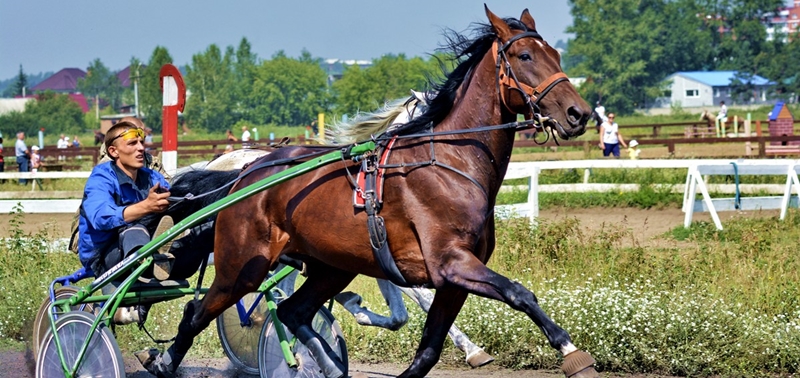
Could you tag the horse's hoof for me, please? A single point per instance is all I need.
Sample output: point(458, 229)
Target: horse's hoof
point(579, 364)
point(479, 358)
point(152, 362)
point(147, 356)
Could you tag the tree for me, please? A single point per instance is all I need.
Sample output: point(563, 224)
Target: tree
point(390, 77)
point(244, 71)
point(211, 81)
point(150, 96)
point(20, 84)
point(626, 48)
point(56, 113)
point(288, 91)
point(101, 83)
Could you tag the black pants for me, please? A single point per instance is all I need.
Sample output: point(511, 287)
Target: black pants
point(189, 251)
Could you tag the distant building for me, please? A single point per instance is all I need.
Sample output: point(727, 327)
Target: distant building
point(785, 21)
point(708, 88)
point(64, 81)
point(335, 67)
point(8, 105)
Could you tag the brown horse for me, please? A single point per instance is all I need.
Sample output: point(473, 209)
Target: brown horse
point(439, 196)
point(729, 121)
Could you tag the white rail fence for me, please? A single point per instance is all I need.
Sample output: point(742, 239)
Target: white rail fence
point(526, 170)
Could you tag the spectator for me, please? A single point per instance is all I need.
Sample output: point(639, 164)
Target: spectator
point(98, 137)
point(148, 139)
point(601, 111)
point(63, 142)
point(610, 138)
point(36, 163)
point(23, 155)
point(633, 150)
point(229, 136)
point(245, 137)
point(75, 142)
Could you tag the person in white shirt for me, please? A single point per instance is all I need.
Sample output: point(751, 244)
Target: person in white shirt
point(63, 142)
point(601, 111)
point(610, 138)
point(245, 137)
point(722, 116)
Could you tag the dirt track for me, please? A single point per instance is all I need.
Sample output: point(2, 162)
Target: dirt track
point(644, 223)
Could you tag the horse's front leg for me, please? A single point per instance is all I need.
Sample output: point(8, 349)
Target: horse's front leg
point(475, 355)
point(470, 274)
point(442, 313)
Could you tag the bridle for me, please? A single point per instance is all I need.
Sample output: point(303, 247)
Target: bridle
point(506, 81)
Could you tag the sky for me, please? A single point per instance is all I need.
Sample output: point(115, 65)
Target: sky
point(48, 35)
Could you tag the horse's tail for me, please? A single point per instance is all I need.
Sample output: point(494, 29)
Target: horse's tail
point(366, 125)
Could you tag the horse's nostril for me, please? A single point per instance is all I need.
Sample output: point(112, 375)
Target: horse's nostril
point(576, 117)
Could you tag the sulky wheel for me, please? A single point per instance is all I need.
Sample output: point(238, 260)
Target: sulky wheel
point(42, 323)
point(103, 357)
point(270, 358)
point(240, 341)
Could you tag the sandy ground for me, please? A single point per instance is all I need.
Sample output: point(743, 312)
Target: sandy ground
point(645, 224)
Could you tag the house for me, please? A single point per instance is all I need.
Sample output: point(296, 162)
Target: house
point(64, 81)
point(708, 88)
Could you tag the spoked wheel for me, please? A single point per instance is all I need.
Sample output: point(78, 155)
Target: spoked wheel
point(270, 358)
point(240, 341)
point(103, 357)
point(42, 323)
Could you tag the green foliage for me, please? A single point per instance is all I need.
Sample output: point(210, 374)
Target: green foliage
point(288, 91)
point(52, 111)
point(390, 77)
point(101, 83)
point(210, 79)
point(626, 48)
point(150, 96)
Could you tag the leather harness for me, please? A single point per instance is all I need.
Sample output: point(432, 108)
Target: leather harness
point(368, 187)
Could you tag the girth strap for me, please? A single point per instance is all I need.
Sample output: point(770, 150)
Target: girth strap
point(376, 225)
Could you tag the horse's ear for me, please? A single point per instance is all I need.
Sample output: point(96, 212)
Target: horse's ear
point(527, 19)
point(500, 27)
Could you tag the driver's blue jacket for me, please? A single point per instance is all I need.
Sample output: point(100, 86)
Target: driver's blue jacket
point(108, 191)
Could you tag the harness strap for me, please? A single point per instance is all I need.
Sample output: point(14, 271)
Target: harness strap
point(376, 225)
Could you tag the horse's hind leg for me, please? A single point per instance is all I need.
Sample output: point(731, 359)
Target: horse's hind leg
point(394, 300)
point(297, 311)
point(443, 311)
point(197, 315)
point(476, 356)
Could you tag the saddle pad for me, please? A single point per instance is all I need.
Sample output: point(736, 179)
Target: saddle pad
point(361, 178)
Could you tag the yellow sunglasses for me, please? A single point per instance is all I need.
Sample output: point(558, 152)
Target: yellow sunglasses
point(128, 135)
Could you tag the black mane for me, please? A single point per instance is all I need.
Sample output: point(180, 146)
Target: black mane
point(466, 53)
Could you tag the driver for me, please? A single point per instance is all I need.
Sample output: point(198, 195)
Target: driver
point(117, 194)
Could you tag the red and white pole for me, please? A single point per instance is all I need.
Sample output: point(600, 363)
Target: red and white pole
point(173, 102)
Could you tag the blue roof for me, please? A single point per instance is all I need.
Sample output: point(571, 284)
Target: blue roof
point(719, 78)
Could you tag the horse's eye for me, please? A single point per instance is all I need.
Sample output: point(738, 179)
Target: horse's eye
point(525, 56)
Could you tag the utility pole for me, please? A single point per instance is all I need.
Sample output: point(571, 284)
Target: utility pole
point(136, 90)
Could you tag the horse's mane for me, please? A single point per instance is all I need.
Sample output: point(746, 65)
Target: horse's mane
point(365, 125)
point(465, 52)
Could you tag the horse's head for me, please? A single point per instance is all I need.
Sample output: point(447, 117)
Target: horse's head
point(531, 80)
